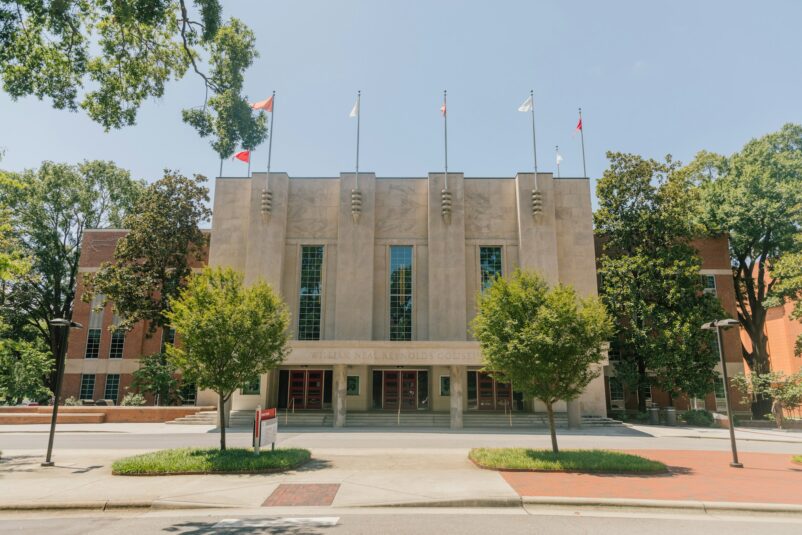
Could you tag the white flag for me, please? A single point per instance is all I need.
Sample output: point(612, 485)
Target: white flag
point(559, 158)
point(527, 105)
point(355, 109)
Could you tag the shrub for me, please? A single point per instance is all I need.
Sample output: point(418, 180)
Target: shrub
point(72, 402)
point(698, 418)
point(133, 399)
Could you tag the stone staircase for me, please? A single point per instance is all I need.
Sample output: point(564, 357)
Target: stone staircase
point(393, 419)
point(199, 418)
point(530, 420)
point(235, 419)
point(479, 420)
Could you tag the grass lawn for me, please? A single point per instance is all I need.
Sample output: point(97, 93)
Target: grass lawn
point(210, 461)
point(604, 461)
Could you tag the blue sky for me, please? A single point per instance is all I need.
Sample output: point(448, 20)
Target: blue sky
point(652, 78)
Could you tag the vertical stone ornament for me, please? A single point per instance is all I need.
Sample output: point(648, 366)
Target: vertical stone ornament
point(356, 204)
point(267, 202)
point(537, 203)
point(445, 205)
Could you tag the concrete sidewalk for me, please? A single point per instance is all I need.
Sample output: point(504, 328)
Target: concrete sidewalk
point(402, 477)
point(365, 478)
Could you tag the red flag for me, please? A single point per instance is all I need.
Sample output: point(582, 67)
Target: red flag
point(579, 125)
point(266, 105)
point(244, 156)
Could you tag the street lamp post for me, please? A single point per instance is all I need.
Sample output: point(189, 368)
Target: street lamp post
point(63, 327)
point(718, 325)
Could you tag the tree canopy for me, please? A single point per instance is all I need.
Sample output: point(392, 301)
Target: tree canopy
point(49, 208)
point(153, 261)
point(229, 333)
point(755, 196)
point(104, 56)
point(650, 277)
point(546, 342)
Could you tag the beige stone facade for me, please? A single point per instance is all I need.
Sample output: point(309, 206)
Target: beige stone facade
point(354, 365)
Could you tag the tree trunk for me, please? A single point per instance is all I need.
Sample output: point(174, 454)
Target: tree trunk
point(222, 412)
point(552, 429)
point(642, 380)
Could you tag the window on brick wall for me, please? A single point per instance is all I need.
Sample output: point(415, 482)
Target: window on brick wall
point(117, 340)
point(92, 344)
point(709, 284)
point(117, 345)
point(87, 386)
point(168, 337)
point(94, 328)
point(112, 389)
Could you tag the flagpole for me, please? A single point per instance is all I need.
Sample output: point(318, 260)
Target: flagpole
point(249, 164)
point(445, 135)
point(582, 137)
point(557, 152)
point(534, 143)
point(270, 139)
point(358, 118)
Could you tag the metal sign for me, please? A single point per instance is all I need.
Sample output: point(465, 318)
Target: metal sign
point(265, 429)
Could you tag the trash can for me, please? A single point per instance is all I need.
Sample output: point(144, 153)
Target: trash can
point(654, 415)
point(671, 416)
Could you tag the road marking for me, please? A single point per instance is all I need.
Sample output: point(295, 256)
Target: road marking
point(310, 521)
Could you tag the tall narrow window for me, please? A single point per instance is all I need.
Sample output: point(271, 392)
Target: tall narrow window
point(117, 340)
point(87, 386)
point(490, 265)
point(112, 387)
point(309, 306)
point(168, 337)
point(401, 292)
point(95, 325)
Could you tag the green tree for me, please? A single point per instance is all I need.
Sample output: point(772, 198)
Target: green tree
point(152, 262)
point(158, 376)
point(545, 341)
point(48, 216)
point(23, 368)
point(229, 333)
point(650, 277)
point(105, 56)
point(755, 196)
point(226, 115)
point(784, 390)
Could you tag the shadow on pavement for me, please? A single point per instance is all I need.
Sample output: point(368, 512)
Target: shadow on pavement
point(202, 528)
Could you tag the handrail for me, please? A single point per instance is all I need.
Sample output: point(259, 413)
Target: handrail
point(287, 410)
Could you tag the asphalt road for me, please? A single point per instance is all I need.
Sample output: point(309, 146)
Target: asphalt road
point(616, 438)
point(464, 522)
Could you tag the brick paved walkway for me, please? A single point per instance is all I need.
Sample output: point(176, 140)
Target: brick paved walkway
point(694, 475)
point(302, 494)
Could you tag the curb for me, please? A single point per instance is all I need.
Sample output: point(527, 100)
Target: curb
point(106, 505)
point(663, 504)
point(461, 502)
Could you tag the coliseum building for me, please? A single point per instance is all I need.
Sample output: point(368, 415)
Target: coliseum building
point(381, 281)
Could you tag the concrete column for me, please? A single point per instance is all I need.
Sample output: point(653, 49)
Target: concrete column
point(266, 234)
point(446, 251)
point(457, 378)
point(574, 414)
point(340, 392)
point(537, 236)
point(353, 308)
